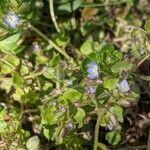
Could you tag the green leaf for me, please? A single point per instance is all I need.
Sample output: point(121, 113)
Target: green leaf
point(49, 132)
point(17, 80)
point(70, 6)
point(135, 51)
point(72, 94)
point(13, 60)
point(13, 3)
point(9, 64)
point(113, 137)
point(50, 73)
point(86, 48)
point(147, 25)
point(6, 84)
point(48, 116)
point(24, 70)
point(18, 94)
point(108, 57)
point(120, 66)
point(104, 120)
point(146, 78)
point(3, 6)
point(62, 40)
point(25, 7)
point(3, 126)
point(110, 83)
point(108, 48)
point(102, 146)
point(55, 61)
point(79, 116)
point(31, 97)
point(9, 44)
point(5, 69)
point(47, 86)
point(118, 112)
point(41, 59)
point(33, 143)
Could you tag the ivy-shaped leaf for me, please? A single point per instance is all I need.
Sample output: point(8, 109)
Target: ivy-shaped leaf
point(79, 116)
point(118, 112)
point(33, 143)
point(10, 44)
point(70, 6)
point(113, 137)
point(86, 48)
point(48, 116)
point(72, 94)
point(110, 83)
point(120, 66)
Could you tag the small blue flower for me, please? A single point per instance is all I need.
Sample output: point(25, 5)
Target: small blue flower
point(123, 86)
point(69, 126)
point(53, 103)
point(69, 82)
point(62, 109)
point(90, 90)
point(109, 127)
point(142, 51)
point(92, 70)
point(36, 47)
point(11, 20)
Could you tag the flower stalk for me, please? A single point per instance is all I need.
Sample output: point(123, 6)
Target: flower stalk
point(61, 51)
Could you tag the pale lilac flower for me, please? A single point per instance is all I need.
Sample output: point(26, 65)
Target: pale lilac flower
point(53, 103)
point(36, 47)
point(90, 90)
point(109, 127)
point(10, 20)
point(93, 70)
point(69, 82)
point(123, 86)
point(62, 109)
point(142, 51)
point(69, 126)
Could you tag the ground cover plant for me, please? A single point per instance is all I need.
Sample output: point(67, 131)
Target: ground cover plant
point(74, 74)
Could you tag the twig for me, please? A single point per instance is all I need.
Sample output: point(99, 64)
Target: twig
point(51, 8)
point(61, 51)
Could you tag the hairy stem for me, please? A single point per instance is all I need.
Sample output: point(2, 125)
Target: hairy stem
point(142, 60)
point(51, 8)
point(61, 51)
point(96, 133)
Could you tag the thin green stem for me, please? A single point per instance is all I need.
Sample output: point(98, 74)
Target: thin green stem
point(6, 62)
point(142, 60)
point(33, 75)
point(58, 78)
point(96, 133)
point(51, 8)
point(61, 51)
